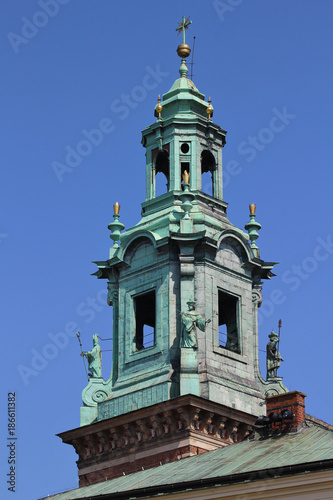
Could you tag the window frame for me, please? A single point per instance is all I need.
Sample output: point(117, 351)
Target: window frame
point(222, 350)
point(131, 353)
point(137, 316)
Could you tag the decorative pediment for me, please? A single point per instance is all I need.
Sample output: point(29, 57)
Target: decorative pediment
point(231, 254)
point(140, 253)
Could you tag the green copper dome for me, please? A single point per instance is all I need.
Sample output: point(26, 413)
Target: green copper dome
point(183, 98)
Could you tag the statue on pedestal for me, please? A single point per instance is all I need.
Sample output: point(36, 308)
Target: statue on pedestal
point(94, 358)
point(273, 355)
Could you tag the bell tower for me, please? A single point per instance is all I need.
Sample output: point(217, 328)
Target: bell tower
point(185, 286)
point(184, 249)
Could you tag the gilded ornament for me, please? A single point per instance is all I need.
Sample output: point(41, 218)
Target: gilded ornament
point(159, 107)
point(209, 110)
point(186, 177)
point(116, 208)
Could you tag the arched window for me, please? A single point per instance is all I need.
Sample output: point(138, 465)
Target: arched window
point(208, 166)
point(161, 173)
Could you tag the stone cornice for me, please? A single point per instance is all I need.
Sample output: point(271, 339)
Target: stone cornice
point(181, 425)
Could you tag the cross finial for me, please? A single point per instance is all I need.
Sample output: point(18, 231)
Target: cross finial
point(183, 25)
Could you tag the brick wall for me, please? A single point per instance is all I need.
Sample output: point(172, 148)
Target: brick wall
point(293, 401)
point(136, 465)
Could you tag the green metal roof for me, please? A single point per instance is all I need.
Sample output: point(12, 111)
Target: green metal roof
point(183, 84)
point(313, 443)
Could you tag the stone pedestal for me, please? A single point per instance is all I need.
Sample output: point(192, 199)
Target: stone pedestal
point(95, 392)
point(189, 377)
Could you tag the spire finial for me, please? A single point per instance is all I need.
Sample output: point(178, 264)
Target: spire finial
point(252, 228)
point(159, 107)
point(115, 227)
point(116, 208)
point(252, 208)
point(209, 110)
point(183, 25)
point(183, 50)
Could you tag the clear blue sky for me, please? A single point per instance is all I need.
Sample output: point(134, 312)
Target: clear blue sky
point(67, 69)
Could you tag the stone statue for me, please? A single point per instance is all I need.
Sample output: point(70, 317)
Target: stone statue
point(191, 320)
point(273, 355)
point(94, 358)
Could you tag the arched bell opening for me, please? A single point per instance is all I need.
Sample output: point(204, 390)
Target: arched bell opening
point(228, 321)
point(208, 167)
point(145, 320)
point(162, 173)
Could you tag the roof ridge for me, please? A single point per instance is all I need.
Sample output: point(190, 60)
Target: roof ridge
point(320, 423)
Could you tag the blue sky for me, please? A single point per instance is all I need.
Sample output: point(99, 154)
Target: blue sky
point(73, 66)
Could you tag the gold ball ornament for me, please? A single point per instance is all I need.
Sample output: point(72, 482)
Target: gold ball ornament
point(209, 110)
point(159, 106)
point(183, 50)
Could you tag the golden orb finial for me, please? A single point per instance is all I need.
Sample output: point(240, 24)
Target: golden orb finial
point(209, 110)
point(159, 107)
point(183, 50)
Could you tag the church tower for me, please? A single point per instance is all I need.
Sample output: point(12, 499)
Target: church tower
point(185, 286)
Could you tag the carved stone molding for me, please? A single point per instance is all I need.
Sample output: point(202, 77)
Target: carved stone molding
point(187, 421)
point(257, 297)
point(113, 293)
point(186, 265)
point(95, 392)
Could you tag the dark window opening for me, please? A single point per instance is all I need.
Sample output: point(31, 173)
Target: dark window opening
point(208, 166)
point(161, 166)
point(228, 325)
point(145, 309)
point(184, 148)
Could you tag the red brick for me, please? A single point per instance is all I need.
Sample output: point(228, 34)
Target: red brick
point(293, 401)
